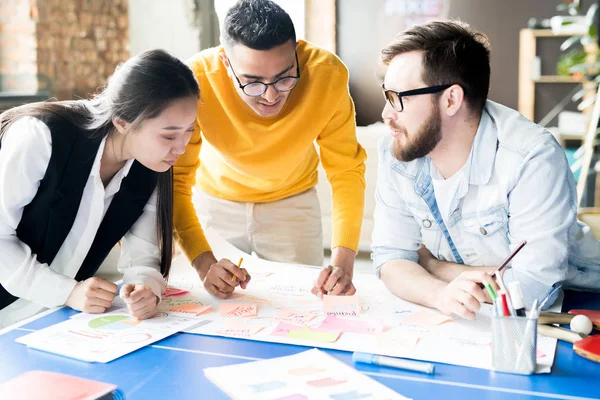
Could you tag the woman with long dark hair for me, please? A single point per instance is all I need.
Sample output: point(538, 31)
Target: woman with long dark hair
point(76, 177)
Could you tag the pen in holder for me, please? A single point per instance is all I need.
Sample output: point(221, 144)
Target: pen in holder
point(514, 342)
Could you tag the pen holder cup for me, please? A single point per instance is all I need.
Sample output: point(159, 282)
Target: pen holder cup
point(514, 342)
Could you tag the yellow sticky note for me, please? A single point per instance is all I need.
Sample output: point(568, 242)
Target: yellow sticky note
point(238, 310)
point(341, 306)
point(307, 334)
point(426, 318)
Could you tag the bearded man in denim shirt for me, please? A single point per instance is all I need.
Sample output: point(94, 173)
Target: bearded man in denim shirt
point(463, 180)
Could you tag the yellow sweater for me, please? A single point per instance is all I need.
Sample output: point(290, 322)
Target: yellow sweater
point(234, 154)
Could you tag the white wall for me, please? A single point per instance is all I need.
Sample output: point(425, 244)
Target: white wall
point(162, 24)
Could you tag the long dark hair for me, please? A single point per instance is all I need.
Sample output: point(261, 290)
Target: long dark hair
point(140, 89)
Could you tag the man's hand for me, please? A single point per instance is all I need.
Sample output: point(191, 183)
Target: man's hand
point(94, 295)
point(220, 277)
point(140, 299)
point(463, 296)
point(336, 279)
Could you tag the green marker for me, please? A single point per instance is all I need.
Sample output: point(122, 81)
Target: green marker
point(491, 291)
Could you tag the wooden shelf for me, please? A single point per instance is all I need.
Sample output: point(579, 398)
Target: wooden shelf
point(557, 79)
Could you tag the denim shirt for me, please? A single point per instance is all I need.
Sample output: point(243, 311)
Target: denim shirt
point(516, 185)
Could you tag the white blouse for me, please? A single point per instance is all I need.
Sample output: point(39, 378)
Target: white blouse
point(24, 157)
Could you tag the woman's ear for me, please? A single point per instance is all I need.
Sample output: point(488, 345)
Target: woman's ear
point(121, 125)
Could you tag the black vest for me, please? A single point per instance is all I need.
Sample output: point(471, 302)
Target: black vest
point(48, 219)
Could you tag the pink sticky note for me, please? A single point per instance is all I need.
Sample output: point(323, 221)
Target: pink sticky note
point(239, 329)
point(238, 310)
point(343, 306)
point(426, 318)
point(171, 291)
point(191, 308)
point(295, 317)
point(335, 324)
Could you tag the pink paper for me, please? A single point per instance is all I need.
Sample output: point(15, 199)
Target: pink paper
point(426, 318)
point(240, 329)
point(191, 308)
point(335, 324)
point(172, 291)
point(341, 306)
point(295, 317)
point(238, 310)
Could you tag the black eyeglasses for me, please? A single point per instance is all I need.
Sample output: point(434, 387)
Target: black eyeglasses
point(257, 88)
point(395, 98)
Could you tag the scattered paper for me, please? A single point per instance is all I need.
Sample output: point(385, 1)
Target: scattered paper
point(238, 310)
point(343, 306)
point(426, 318)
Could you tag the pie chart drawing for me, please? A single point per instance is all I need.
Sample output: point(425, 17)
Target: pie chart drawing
point(110, 322)
point(135, 337)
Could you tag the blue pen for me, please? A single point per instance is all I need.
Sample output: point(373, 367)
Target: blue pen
point(416, 366)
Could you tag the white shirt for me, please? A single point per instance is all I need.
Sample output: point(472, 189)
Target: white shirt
point(24, 158)
point(445, 190)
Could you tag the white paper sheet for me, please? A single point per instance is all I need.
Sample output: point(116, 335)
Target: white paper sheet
point(275, 286)
point(104, 337)
point(308, 375)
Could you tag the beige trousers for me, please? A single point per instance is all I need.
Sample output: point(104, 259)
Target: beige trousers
point(287, 230)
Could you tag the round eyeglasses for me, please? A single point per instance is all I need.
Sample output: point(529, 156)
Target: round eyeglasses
point(258, 88)
point(395, 98)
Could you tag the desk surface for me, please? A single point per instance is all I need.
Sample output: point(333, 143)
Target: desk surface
point(172, 368)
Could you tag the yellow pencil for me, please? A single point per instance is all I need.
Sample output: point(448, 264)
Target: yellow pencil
point(233, 278)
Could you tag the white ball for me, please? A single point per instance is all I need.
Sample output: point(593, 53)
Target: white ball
point(581, 324)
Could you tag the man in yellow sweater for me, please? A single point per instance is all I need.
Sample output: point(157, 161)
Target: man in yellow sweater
point(266, 98)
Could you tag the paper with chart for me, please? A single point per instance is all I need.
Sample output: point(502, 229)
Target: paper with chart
point(278, 307)
point(104, 337)
point(312, 374)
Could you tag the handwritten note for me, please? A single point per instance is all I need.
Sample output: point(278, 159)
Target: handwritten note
point(426, 318)
point(173, 291)
point(238, 310)
point(190, 308)
point(240, 329)
point(294, 316)
point(335, 324)
point(297, 332)
point(342, 306)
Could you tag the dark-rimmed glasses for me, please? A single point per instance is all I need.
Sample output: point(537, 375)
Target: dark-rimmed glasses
point(258, 88)
point(395, 98)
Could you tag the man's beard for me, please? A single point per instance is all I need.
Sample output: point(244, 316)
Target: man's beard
point(424, 141)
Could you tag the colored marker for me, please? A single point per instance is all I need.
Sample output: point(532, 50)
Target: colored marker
point(400, 363)
point(491, 292)
point(505, 310)
point(516, 297)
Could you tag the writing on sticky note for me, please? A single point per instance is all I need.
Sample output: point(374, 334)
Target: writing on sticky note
point(335, 324)
point(294, 316)
point(426, 318)
point(173, 291)
point(298, 332)
point(240, 329)
point(238, 310)
point(190, 308)
point(341, 306)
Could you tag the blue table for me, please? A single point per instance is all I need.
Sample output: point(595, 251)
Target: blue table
point(172, 368)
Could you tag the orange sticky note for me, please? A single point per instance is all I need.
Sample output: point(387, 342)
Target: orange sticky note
point(191, 308)
point(426, 318)
point(396, 339)
point(240, 329)
point(238, 310)
point(341, 306)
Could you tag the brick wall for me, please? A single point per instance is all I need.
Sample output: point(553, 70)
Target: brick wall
point(75, 44)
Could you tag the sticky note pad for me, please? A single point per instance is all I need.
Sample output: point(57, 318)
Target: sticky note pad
point(294, 316)
point(172, 291)
point(343, 306)
point(240, 329)
point(190, 308)
point(238, 310)
point(426, 318)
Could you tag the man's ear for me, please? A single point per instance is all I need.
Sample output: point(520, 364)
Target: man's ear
point(121, 125)
point(225, 60)
point(454, 99)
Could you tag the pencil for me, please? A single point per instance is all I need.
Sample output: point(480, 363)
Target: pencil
point(233, 278)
